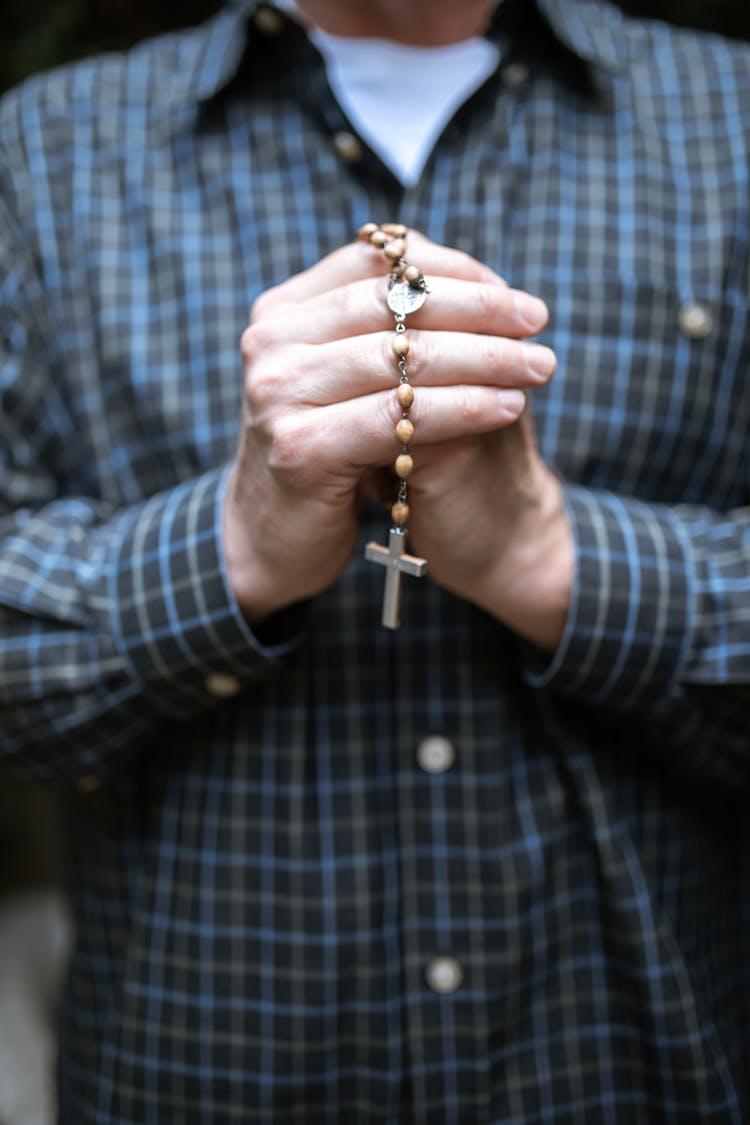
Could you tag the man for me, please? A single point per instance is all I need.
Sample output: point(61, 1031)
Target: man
point(491, 866)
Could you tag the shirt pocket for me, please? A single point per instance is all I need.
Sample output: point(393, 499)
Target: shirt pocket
point(650, 397)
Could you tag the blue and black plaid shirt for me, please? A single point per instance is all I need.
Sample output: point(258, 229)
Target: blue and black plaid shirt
point(329, 873)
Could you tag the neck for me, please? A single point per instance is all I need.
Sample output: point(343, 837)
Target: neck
point(418, 23)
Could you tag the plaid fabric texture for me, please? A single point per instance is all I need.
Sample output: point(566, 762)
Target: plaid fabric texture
point(264, 873)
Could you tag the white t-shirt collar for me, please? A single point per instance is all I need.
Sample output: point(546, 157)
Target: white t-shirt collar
point(401, 98)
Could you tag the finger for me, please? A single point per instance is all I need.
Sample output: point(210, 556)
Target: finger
point(363, 365)
point(361, 433)
point(443, 414)
point(358, 308)
point(358, 260)
point(508, 446)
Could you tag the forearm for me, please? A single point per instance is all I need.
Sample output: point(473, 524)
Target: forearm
point(657, 629)
point(529, 587)
point(128, 625)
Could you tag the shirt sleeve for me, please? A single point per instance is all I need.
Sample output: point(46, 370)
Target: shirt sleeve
point(659, 627)
point(110, 627)
point(113, 621)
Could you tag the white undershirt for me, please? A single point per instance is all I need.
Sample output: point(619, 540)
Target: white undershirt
point(401, 98)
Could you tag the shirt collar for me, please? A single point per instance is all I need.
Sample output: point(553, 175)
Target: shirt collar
point(591, 29)
point(595, 30)
point(222, 43)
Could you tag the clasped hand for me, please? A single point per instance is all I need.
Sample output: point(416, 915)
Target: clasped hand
point(318, 421)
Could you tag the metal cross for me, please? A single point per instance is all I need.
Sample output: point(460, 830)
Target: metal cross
point(398, 563)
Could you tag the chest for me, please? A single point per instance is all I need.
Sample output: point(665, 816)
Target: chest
point(644, 271)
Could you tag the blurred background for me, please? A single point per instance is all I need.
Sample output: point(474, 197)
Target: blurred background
point(36, 35)
point(40, 33)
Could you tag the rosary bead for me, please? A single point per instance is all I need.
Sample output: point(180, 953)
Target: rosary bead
point(367, 229)
point(404, 464)
point(391, 239)
point(405, 395)
point(395, 249)
point(404, 431)
point(400, 345)
point(400, 513)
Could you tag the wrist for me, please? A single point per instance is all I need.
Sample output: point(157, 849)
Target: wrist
point(250, 583)
point(530, 586)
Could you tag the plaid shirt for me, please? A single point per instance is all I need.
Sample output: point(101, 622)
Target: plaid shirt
point(327, 873)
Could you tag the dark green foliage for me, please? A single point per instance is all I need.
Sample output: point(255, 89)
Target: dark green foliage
point(38, 34)
point(730, 17)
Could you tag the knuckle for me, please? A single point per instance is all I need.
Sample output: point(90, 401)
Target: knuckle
point(388, 411)
point(287, 442)
point(256, 339)
point(261, 383)
point(494, 357)
point(468, 407)
point(486, 299)
point(418, 360)
point(264, 303)
point(345, 301)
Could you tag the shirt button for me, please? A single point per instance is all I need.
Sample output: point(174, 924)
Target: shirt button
point(515, 74)
point(88, 783)
point(444, 974)
point(222, 685)
point(436, 754)
point(695, 320)
point(268, 21)
point(347, 146)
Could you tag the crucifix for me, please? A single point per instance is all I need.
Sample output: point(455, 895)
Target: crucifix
point(407, 292)
point(397, 563)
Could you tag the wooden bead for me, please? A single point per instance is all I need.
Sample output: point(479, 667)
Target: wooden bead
point(404, 464)
point(400, 345)
point(413, 276)
point(404, 431)
point(397, 270)
point(395, 230)
point(377, 238)
point(405, 395)
point(395, 249)
point(367, 229)
point(400, 513)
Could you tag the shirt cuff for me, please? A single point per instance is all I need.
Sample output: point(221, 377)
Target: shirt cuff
point(176, 621)
point(629, 627)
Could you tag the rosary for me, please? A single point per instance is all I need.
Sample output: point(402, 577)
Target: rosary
point(407, 292)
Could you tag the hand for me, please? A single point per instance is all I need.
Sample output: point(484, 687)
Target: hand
point(488, 515)
point(319, 409)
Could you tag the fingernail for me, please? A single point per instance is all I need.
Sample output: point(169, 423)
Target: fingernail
point(513, 401)
point(531, 311)
point(540, 361)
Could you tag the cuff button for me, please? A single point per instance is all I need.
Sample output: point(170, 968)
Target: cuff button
point(222, 685)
